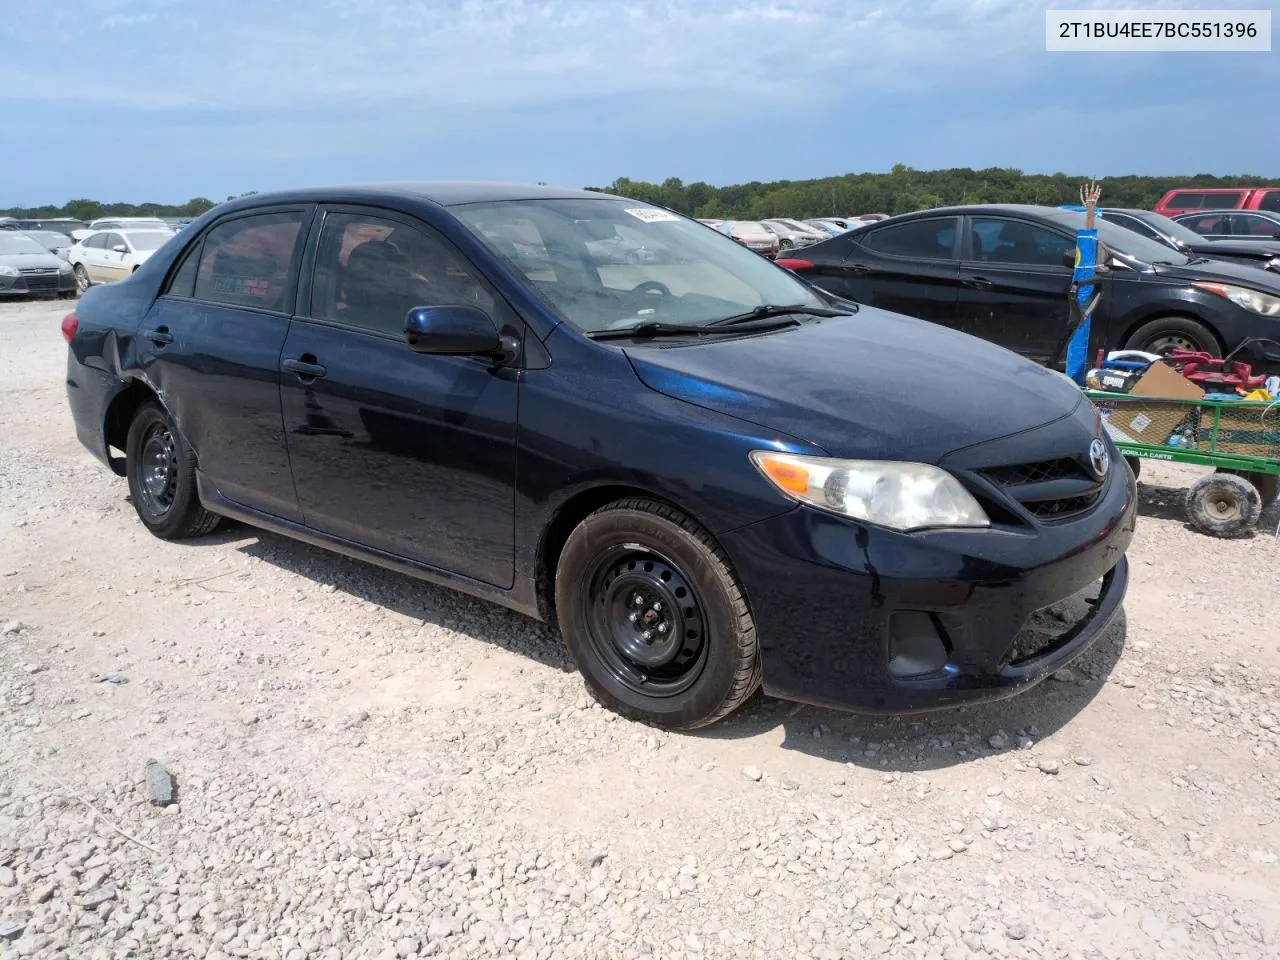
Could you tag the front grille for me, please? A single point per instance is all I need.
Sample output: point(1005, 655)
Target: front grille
point(1049, 490)
point(40, 279)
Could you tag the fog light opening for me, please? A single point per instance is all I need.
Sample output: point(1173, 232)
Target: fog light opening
point(917, 645)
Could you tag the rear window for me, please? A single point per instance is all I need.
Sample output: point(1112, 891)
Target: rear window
point(247, 262)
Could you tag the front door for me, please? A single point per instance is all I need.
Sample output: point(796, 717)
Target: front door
point(210, 346)
point(1014, 285)
point(409, 454)
point(115, 263)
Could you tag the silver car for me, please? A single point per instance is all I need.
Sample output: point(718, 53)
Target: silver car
point(752, 235)
point(28, 269)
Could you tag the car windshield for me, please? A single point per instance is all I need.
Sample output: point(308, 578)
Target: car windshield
point(1123, 240)
point(147, 239)
point(608, 264)
point(49, 238)
point(11, 243)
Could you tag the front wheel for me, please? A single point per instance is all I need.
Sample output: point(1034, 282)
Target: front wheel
point(654, 617)
point(83, 282)
point(162, 477)
point(1167, 334)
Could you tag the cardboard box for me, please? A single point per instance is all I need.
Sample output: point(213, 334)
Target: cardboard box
point(1152, 422)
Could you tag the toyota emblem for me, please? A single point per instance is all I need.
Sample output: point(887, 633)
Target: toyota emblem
point(1099, 458)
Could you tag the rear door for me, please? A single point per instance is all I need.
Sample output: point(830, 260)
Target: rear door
point(1014, 284)
point(210, 346)
point(909, 268)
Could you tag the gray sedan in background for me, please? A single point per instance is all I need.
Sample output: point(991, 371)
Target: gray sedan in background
point(28, 269)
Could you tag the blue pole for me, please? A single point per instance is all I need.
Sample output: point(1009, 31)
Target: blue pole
point(1085, 271)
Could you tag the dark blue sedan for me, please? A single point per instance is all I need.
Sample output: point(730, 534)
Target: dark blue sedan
point(709, 472)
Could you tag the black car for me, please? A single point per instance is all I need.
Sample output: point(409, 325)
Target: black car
point(707, 471)
point(1248, 225)
point(1257, 253)
point(1001, 272)
point(63, 225)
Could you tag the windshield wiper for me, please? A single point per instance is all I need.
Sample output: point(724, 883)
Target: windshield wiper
point(654, 328)
point(777, 310)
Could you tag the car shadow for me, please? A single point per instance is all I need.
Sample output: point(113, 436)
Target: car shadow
point(1162, 503)
point(402, 594)
point(932, 741)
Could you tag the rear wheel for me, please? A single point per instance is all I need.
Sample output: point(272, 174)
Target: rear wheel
point(83, 282)
point(162, 477)
point(1166, 334)
point(654, 617)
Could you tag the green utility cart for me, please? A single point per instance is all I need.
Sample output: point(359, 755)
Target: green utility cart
point(1241, 439)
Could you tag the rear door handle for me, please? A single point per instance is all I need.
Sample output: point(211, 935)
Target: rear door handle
point(304, 368)
point(978, 283)
point(858, 268)
point(160, 336)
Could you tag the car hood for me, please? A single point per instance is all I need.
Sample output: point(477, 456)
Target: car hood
point(30, 261)
point(1256, 248)
point(874, 385)
point(1221, 271)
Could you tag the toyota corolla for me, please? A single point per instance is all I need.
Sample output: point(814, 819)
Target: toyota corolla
point(708, 472)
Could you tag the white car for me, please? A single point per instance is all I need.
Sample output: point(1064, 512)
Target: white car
point(107, 255)
point(121, 223)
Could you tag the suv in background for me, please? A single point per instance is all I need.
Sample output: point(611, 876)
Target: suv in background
point(1191, 199)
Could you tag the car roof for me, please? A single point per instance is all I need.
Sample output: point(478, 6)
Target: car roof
point(446, 193)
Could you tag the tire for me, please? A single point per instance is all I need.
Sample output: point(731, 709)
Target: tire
point(83, 282)
point(1267, 484)
point(704, 664)
point(1162, 335)
point(162, 477)
point(1135, 466)
point(1223, 505)
point(785, 244)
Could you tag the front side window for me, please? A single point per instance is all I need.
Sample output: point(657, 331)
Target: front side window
point(114, 240)
point(608, 263)
point(247, 262)
point(1206, 224)
point(148, 239)
point(932, 239)
point(370, 272)
point(998, 240)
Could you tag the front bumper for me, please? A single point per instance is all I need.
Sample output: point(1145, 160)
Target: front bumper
point(824, 592)
point(40, 286)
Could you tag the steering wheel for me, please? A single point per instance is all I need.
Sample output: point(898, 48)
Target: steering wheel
point(637, 299)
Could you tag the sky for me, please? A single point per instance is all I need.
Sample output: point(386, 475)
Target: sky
point(164, 100)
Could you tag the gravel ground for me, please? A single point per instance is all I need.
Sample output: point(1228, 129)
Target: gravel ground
point(370, 767)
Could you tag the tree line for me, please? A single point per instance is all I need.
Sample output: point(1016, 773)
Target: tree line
point(86, 210)
point(901, 190)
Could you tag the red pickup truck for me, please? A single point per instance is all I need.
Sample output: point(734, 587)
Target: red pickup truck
point(1191, 199)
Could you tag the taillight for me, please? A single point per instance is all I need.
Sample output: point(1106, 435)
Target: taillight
point(792, 263)
point(70, 323)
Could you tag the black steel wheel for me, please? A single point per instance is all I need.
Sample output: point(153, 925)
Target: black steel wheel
point(161, 474)
point(654, 617)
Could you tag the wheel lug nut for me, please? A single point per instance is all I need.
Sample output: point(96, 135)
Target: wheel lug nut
point(657, 605)
point(648, 635)
point(662, 628)
point(638, 600)
point(633, 617)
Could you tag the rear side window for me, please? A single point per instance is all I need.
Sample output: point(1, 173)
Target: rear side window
point(183, 281)
point(929, 239)
point(1198, 200)
point(1270, 201)
point(247, 262)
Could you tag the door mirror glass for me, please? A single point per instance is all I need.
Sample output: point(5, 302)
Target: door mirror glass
point(451, 329)
point(120, 248)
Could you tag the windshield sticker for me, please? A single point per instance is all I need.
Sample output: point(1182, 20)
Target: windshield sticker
point(651, 214)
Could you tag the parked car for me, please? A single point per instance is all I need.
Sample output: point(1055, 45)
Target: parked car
point(107, 255)
point(59, 244)
point(1258, 253)
point(791, 237)
point(62, 225)
point(123, 223)
point(872, 217)
point(706, 471)
point(1001, 272)
point(752, 235)
point(28, 269)
point(830, 229)
point(1248, 226)
point(1190, 199)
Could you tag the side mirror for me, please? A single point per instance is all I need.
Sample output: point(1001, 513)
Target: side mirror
point(1069, 258)
point(455, 329)
point(1276, 235)
point(120, 248)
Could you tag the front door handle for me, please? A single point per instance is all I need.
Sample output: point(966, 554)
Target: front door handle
point(305, 367)
point(978, 283)
point(160, 336)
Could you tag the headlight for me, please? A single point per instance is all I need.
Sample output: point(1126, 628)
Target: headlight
point(8, 271)
point(64, 267)
point(1263, 304)
point(903, 496)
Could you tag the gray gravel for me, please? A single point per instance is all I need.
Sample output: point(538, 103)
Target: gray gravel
point(369, 767)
